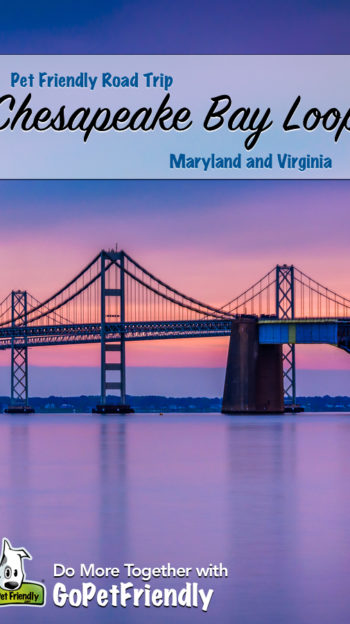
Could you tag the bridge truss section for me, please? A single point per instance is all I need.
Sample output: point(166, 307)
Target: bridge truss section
point(285, 311)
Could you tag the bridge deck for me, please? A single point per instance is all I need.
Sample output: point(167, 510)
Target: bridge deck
point(271, 331)
point(91, 332)
point(306, 331)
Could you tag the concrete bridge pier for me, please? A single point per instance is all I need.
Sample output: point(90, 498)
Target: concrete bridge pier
point(254, 373)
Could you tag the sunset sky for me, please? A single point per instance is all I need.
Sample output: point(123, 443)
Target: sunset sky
point(210, 239)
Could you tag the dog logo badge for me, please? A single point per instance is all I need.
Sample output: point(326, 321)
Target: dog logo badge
point(15, 589)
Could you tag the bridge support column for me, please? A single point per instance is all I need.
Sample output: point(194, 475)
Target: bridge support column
point(285, 310)
point(112, 351)
point(19, 357)
point(254, 373)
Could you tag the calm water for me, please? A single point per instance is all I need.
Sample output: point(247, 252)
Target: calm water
point(268, 497)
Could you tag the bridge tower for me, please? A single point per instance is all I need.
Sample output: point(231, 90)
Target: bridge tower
point(112, 351)
point(285, 310)
point(19, 355)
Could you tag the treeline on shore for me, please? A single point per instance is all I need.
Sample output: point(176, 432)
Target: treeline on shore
point(84, 404)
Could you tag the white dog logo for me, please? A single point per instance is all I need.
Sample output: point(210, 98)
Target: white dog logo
point(11, 566)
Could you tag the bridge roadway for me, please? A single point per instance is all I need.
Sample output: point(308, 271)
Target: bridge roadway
point(271, 331)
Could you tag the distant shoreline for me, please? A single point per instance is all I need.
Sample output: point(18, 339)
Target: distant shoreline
point(156, 404)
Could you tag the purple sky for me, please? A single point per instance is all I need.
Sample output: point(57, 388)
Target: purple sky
point(197, 27)
point(210, 239)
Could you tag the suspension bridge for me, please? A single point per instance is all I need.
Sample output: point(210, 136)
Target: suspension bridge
point(114, 300)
